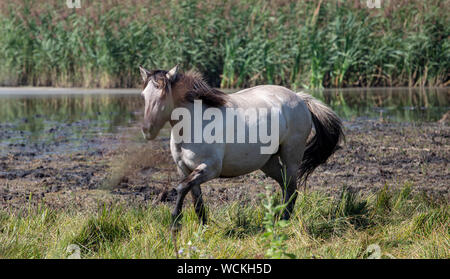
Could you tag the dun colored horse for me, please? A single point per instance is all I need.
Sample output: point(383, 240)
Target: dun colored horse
point(291, 116)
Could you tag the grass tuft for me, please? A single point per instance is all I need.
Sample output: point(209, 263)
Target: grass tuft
point(351, 225)
point(106, 227)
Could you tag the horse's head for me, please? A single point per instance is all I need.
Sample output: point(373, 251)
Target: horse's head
point(158, 99)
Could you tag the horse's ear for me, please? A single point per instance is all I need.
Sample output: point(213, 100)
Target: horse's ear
point(172, 74)
point(144, 73)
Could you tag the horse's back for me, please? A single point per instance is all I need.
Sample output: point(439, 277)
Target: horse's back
point(265, 94)
point(292, 106)
point(294, 121)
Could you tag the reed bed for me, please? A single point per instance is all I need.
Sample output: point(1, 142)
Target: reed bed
point(235, 44)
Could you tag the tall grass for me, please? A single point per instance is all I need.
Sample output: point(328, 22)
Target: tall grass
point(404, 224)
point(234, 44)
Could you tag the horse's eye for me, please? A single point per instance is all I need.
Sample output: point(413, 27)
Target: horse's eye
point(156, 84)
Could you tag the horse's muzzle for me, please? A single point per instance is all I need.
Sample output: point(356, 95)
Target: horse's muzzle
point(146, 133)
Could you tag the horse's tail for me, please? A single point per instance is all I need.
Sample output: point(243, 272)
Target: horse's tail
point(325, 141)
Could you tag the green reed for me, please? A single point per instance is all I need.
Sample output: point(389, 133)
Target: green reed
point(312, 44)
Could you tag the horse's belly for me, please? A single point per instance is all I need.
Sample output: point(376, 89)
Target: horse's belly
point(241, 159)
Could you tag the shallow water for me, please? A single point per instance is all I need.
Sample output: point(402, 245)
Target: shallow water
point(62, 123)
point(388, 104)
point(52, 121)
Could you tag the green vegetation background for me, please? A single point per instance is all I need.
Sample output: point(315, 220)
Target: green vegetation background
point(233, 43)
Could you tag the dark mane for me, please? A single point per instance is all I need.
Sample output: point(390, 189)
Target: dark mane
point(188, 87)
point(157, 75)
point(198, 89)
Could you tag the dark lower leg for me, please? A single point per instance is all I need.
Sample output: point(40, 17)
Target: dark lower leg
point(182, 190)
point(290, 196)
point(289, 188)
point(198, 203)
point(192, 181)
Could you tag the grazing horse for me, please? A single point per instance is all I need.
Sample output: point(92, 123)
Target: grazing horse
point(297, 153)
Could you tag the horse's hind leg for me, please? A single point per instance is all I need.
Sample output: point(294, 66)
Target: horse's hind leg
point(290, 191)
point(274, 169)
point(286, 178)
point(291, 154)
point(285, 173)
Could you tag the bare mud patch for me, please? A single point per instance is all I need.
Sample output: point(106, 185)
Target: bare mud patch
point(122, 168)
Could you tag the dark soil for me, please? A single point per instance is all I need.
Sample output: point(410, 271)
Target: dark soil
point(123, 168)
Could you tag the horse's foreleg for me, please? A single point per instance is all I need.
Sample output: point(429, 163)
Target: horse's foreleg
point(192, 182)
point(182, 190)
point(198, 203)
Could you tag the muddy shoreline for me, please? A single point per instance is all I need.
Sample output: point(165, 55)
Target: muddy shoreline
point(121, 168)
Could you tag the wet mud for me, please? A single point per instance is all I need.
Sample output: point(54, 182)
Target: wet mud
point(123, 168)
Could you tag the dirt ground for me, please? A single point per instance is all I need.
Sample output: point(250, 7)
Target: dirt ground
point(127, 170)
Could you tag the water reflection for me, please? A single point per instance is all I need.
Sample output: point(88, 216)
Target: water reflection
point(74, 119)
point(392, 104)
point(62, 123)
point(32, 112)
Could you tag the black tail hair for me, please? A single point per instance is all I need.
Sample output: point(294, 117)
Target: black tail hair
point(328, 134)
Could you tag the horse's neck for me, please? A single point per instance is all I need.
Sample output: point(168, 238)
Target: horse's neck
point(182, 105)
